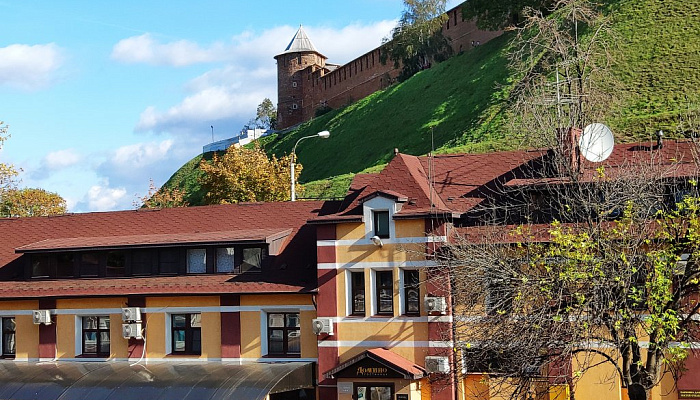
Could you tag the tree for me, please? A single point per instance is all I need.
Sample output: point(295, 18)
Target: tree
point(578, 266)
point(30, 202)
point(246, 174)
point(417, 40)
point(162, 197)
point(501, 14)
point(7, 172)
point(266, 115)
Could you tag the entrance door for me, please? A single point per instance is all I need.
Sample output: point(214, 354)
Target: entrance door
point(374, 391)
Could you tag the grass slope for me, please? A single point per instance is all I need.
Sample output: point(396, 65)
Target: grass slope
point(458, 105)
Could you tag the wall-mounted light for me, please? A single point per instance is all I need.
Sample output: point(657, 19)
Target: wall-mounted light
point(377, 241)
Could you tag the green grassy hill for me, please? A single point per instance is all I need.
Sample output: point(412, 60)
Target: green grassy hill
point(459, 105)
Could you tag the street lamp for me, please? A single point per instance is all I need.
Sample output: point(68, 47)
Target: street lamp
point(322, 134)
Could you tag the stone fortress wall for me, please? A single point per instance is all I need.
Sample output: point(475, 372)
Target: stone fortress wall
point(306, 82)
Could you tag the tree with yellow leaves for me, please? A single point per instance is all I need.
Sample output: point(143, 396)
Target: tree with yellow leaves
point(246, 174)
point(162, 198)
point(31, 202)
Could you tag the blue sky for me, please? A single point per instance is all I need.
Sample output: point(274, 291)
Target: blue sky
point(100, 97)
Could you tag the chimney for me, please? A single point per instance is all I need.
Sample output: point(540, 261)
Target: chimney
point(567, 146)
point(396, 151)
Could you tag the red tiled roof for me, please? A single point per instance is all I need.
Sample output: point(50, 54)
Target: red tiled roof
point(293, 266)
point(246, 235)
point(386, 357)
point(153, 285)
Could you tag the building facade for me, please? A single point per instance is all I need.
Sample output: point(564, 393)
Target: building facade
point(307, 82)
point(297, 300)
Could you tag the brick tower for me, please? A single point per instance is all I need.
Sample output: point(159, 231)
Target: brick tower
point(294, 66)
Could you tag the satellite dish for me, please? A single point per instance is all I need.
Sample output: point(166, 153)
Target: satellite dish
point(596, 143)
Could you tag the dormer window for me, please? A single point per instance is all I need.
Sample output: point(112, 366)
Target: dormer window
point(381, 223)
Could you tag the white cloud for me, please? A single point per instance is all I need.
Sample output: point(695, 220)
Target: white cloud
point(144, 49)
point(54, 162)
point(62, 159)
point(103, 198)
point(141, 154)
point(29, 67)
point(226, 97)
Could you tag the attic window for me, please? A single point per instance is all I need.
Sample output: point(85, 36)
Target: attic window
point(381, 223)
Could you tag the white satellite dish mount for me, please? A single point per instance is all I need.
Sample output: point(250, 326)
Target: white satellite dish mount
point(597, 142)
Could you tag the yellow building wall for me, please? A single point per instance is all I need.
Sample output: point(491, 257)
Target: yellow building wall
point(275, 300)
point(66, 324)
point(211, 335)
point(155, 335)
point(65, 336)
point(309, 341)
point(350, 231)
point(600, 382)
point(475, 387)
point(250, 335)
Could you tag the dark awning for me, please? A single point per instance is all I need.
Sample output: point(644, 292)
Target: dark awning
point(152, 381)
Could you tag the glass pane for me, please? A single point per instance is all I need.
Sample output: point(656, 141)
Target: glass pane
point(276, 341)
point(64, 264)
point(294, 342)
point(40, 266)
point(196, 320)
point(381, 223)
point(292, 320)
point(252, 258)
point(8, 325)
point(197, 261)
point(167, 261)
point(104, 323)
point(413, 301)
point(276, 320)
point(8, 343)
point(89, 264)
point(141, 262)
point(385, 300)
point(225, 259)
point(179, 321)
point(179, 340)
point(197, 341)
point(115, 263)
point(359, 302)
point(89, 322)
point(90, 342)
point(104, 342)
point(380, 393)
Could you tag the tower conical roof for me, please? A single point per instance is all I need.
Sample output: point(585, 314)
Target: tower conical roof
point(300, 43)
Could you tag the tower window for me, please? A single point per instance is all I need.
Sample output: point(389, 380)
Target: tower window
point(294, 84)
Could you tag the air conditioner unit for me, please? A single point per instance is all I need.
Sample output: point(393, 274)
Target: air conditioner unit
point(322, 325)
point(41, 317)
point(132, 331)
point(435, 304)
point(131, 314)
point(437, 364)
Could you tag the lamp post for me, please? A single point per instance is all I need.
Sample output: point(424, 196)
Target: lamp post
point(322, 134)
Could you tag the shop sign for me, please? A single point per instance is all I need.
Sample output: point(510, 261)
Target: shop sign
point(689, 394)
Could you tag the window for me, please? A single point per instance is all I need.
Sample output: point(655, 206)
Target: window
point(252, 259)
point(499, 293)
point(294, 84)
point(411, 292)
point(385, 293)
point(41, 267)
point(225, 260)
point(283, 334)
point(96, 336)
point(64, 265)
point(187, 333)
point(141, 262)
point(294, 106)
point(168, 261)
point(89, 264)
point(196, 261)
point(373, 391)
point(115, 264)
point(381, 223)
point(357, 290)
point(8, 337)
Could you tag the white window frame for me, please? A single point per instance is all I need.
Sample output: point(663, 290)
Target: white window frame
point(169, 330)
point(379, 203)
point(264, 350)
point(78, 320)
